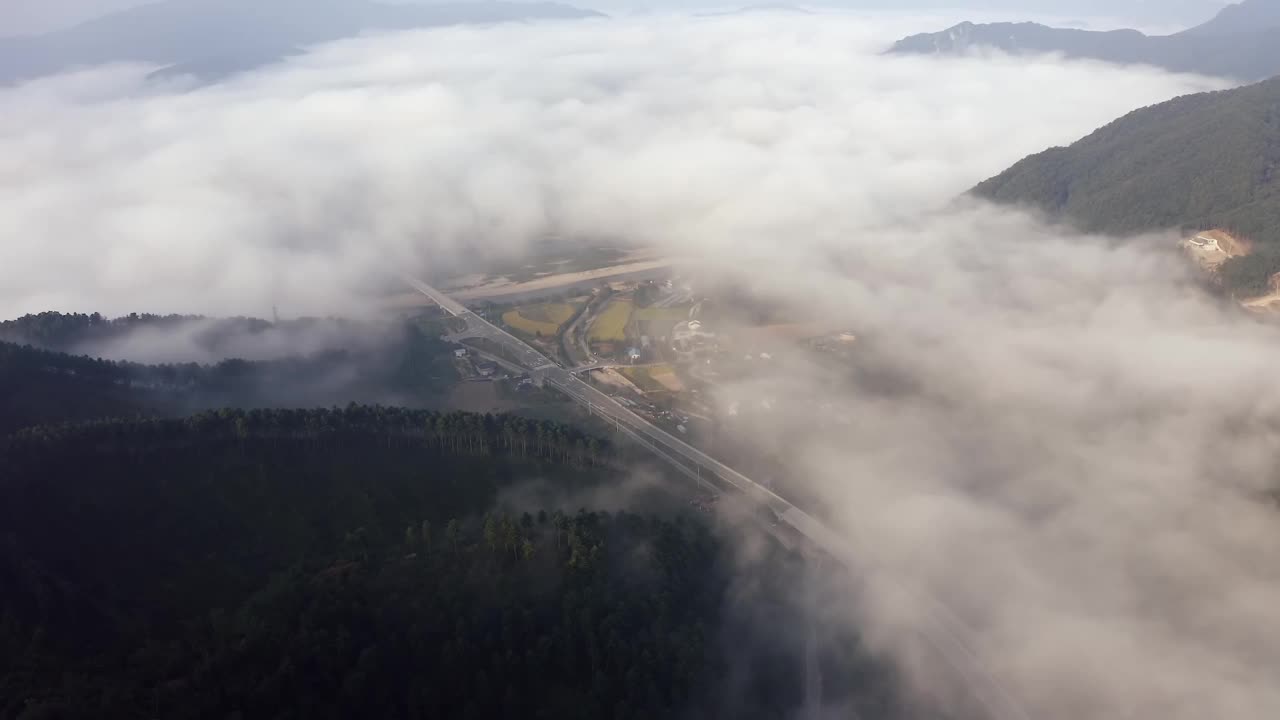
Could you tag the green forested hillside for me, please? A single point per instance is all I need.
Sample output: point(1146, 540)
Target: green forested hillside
point(362, 563)
point(1200, 161)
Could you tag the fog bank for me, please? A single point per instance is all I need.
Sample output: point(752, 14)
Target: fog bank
point(1074, 455)
point(1062, 441)
point(293, 186)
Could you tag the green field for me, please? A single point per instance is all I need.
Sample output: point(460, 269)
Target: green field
point(542, 319)
point(611, 325)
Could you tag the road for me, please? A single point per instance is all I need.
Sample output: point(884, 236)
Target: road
point(606, 364)
point(542, 367)
point(576, 333)
point(515, 350)
point(943, 630)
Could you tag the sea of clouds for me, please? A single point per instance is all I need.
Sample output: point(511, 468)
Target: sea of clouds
point(1075, 471)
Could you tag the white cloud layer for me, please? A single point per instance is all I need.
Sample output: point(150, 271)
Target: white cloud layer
point(1072, 458)
point(1076, 461)
point(291, 185)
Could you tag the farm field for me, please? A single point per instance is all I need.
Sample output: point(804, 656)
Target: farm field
point(657, 321)
point(541, 319)
point(611, 324)
point(653, 378)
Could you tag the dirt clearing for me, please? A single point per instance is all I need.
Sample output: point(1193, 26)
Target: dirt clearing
point(1213, 247)
point(1269, 303)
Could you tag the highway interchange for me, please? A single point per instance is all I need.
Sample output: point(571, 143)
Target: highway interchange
point(943, 630)
point(540, 367)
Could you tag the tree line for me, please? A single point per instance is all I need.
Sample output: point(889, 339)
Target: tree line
point(318, 428)
point(361, 562)
point(65, 331)
point(39, 385)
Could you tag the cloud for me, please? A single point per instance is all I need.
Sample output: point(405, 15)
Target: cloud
point(207, 340)
point(291, 186)
point(1060, 437)
point(1073, 469)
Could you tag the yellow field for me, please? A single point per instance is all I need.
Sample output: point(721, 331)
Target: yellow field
point(659, 321)
point(655, 378)
point(543, 319)
point(611, 325)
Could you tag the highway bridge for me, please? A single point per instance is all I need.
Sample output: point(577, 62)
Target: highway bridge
point(945, 632)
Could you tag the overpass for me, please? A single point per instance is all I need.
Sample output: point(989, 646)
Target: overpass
point(945, 632)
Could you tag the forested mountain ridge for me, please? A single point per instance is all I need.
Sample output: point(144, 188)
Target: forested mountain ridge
point(1243, 42)
point(359, 562)
point(1210, 160)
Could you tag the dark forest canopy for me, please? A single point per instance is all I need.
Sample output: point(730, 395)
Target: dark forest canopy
point(39, 385)
point(67, 331)
point(362, 561)
point(359, 563)
point(1210, 160)
point(81, 332)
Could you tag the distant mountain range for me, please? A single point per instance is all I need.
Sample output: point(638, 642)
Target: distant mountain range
point(1247, 16)
point(1242, 41)
point(213, 38)
point(1202, 161)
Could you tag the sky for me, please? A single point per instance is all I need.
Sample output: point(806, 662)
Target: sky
point(1058, 443)
point(35, 16)
point(21, 17)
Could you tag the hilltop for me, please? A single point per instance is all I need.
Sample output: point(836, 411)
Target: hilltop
point(1210, 160)
point(1242, 41)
